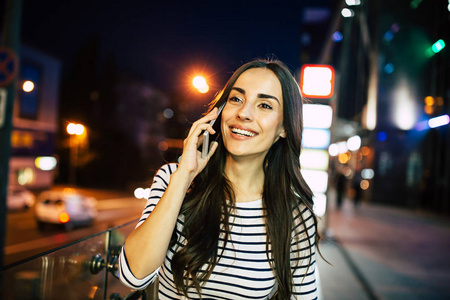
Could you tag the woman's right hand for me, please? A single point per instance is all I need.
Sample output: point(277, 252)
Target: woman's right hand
point(191, 160)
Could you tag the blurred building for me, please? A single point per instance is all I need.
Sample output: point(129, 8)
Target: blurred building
point(392, 75)
point(33, 161)
point(143, 112)
point(124, 116)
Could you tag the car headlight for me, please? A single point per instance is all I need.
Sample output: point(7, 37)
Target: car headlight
point(63, 217)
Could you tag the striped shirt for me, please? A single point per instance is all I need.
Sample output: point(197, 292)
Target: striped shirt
point(243, 271)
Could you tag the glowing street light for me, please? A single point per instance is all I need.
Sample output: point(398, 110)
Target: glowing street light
point(28, 86)
point(75, 129)
point(77, 132)
point(200, 84)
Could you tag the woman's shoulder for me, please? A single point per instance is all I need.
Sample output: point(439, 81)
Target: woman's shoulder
point(168, 169)
point(162, 176)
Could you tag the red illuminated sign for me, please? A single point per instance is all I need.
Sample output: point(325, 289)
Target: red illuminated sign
point(317, 81)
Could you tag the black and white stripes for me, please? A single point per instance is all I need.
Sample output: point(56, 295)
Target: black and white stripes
point(243, 272)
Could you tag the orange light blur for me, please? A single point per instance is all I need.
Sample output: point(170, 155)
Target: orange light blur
point(204, 89)
point(439, 101)
point(365, 150)
point(63, 217)
point(343, 158)
point(93, 291)
point(163, 146)
point(428, 109)
point(69, 190)
point(364, 184)
point(429, 101)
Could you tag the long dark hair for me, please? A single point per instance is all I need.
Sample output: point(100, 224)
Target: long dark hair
point(205, 206)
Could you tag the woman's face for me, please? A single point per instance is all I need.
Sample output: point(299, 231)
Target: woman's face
point(252, 120)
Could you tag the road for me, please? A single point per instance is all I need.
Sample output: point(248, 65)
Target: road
point(24, 239)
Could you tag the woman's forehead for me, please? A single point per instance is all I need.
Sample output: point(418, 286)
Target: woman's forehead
point(261, 80)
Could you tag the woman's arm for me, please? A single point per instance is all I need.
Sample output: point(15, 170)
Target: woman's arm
point(147, 245)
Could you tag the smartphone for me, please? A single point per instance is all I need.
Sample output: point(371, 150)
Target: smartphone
point(205, 148)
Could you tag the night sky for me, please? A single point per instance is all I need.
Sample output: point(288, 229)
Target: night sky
point(166, 42)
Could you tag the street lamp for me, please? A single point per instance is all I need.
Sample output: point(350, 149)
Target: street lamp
point(200, 84)
point(28, 86)
point(77, 133)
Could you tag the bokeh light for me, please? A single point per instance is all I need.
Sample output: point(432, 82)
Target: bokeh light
point(364, 184)
point(76, 129)
point(45, 163)
point(28, 86)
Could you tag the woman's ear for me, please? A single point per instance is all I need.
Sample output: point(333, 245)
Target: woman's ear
point(283, 133)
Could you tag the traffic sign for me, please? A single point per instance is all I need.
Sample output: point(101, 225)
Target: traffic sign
point(9, 64)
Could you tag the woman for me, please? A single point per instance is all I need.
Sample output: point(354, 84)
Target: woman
point(237, 224)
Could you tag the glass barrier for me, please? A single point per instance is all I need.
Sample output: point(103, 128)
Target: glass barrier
point(86, 269)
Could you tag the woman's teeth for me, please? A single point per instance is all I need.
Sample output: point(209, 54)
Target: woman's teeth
point(242, 132)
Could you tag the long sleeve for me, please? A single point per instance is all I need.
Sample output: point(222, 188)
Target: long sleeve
point(159, 186)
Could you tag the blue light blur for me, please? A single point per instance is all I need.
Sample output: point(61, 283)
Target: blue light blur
point(388, 68)
point(388, 36)
point(337, 36)
point(382, 136)
point(421, 125)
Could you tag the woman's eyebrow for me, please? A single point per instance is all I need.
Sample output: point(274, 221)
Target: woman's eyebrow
point(242, 91)
point(268, 97)
point(265, 96)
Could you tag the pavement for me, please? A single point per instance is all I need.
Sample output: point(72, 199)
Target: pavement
point(382, 252)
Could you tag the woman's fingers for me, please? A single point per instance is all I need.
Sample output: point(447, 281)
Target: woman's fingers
point(196, 137)
point(213, 148)
point(203, 121)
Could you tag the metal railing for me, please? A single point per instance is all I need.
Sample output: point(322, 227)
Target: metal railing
point(86, 269)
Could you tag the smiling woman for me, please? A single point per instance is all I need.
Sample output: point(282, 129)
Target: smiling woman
point(252, 120)
point(238, 223)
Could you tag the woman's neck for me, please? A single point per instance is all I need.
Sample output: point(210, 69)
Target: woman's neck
point(246, 178)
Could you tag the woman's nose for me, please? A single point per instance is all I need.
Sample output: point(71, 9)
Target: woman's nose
point(245, 113)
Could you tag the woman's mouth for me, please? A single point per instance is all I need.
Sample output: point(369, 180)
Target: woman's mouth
point(242, 132)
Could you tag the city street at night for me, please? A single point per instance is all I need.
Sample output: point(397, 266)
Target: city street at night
point(24, 239)
point(337, 109)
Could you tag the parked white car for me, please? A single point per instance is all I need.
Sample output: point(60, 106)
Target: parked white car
point(19, 198)
point(68, 208)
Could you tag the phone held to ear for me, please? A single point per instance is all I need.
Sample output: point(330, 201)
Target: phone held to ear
point(205, 148)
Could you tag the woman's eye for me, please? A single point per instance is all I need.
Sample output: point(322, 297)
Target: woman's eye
point(265, 106)
point(234, 99)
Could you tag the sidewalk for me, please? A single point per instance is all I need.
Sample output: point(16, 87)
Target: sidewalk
point(381, 252)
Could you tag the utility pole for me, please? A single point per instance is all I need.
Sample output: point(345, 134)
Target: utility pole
point(11, 44)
